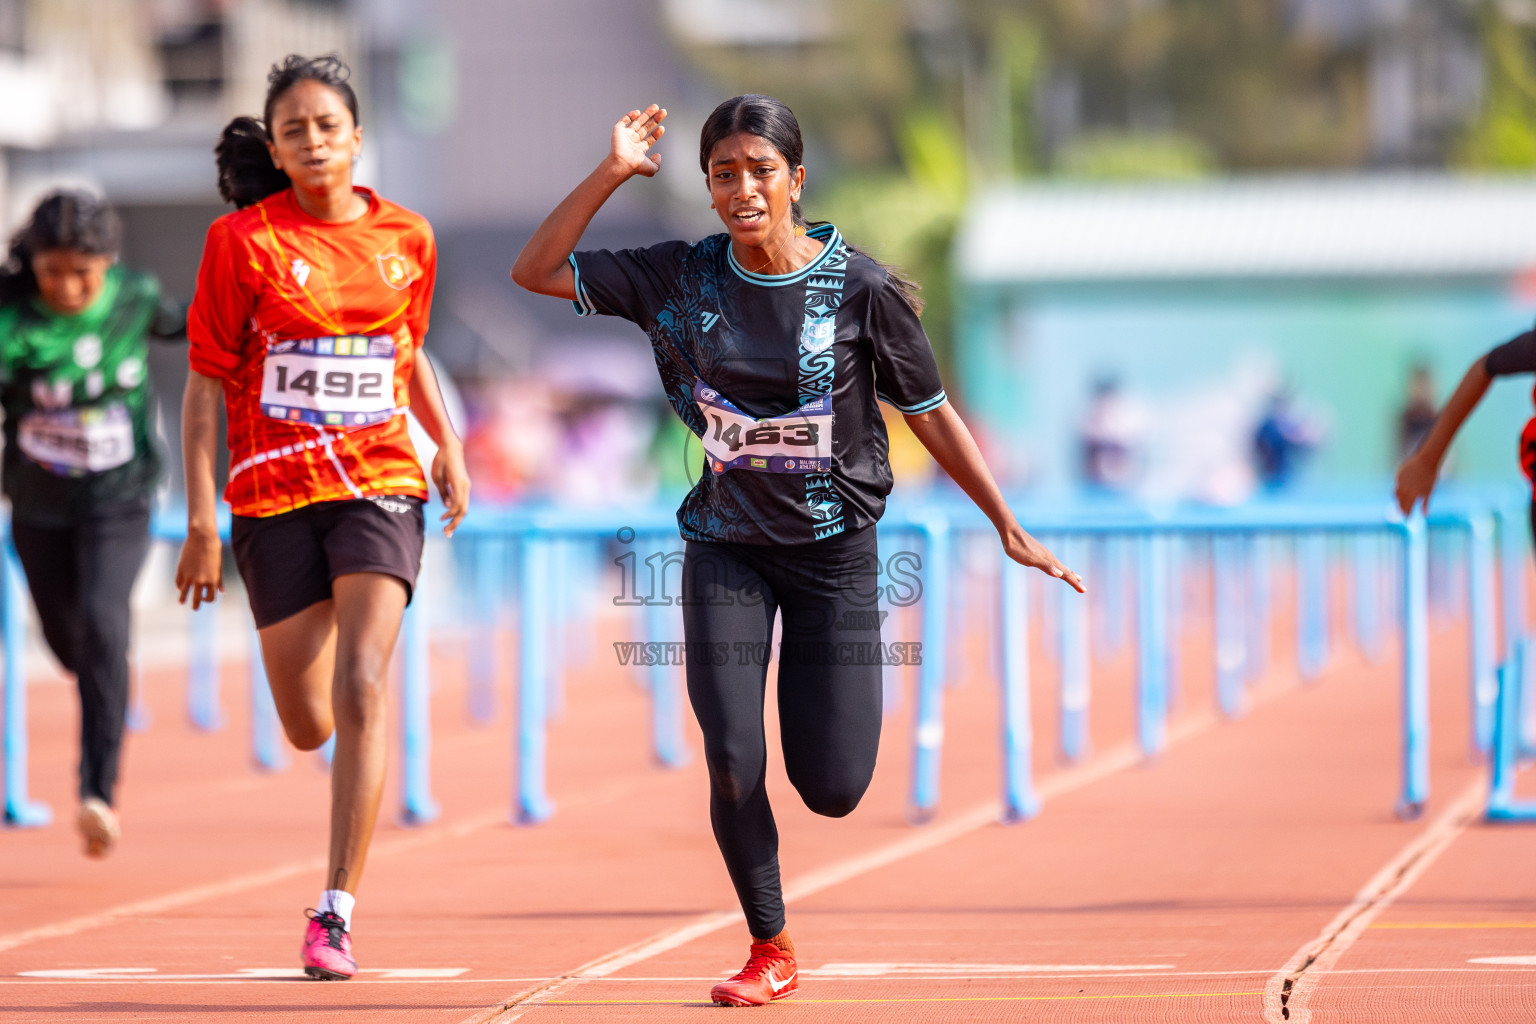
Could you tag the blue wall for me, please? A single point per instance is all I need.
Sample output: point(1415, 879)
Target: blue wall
point(1027, 359)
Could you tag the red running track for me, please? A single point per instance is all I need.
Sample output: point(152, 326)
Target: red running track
point(1255, 861)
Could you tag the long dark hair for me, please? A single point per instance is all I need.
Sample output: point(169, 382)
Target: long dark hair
point(65, 219)
point(246, 173)
point(773, 122)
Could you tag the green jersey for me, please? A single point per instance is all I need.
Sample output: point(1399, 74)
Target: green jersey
point(75, 390)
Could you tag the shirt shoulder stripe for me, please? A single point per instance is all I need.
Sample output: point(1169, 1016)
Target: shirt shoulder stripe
point(926, 405)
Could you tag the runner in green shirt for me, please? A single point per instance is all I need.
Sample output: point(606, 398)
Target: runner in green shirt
point(80, 458)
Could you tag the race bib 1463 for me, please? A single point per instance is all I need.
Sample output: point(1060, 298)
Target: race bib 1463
point(334, 382)
point(796, 442)
point(71, 442)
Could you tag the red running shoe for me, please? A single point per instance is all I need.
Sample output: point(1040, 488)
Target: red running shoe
point(770, 974)
point(328, 948)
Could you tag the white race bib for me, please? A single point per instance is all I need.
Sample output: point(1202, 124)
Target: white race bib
point(334, 382)
point(70, 442)
point(796, 442)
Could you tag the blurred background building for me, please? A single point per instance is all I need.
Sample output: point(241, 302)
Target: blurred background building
point(1245, 214)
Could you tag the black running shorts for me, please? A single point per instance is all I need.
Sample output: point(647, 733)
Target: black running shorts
point(288, 561)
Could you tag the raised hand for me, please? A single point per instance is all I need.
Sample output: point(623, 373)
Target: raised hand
point(633, 136)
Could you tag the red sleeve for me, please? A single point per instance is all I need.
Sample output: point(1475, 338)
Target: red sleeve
point(221, 307)
point(420, 313)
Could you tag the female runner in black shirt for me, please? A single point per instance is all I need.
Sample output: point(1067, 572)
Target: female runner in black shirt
point(759, 335)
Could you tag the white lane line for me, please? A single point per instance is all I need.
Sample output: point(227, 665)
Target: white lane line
point(1262, 972)
point(949, 970)
point(241, 974)
point(1285, 995)
point(928, 838)
point(256, 879)
point(160, 904)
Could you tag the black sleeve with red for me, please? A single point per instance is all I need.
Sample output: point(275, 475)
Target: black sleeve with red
point(1518, 355)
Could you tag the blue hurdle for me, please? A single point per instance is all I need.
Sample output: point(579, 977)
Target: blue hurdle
point(1075, 656)
point(547, 543)
point(21, 811)
point(1502, 805)
point(1020, 802)
point(928, 724)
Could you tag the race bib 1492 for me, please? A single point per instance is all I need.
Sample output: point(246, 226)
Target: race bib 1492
point(334, 382)
point(796, 442)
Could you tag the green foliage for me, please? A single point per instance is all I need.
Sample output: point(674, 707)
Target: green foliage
point(1503, 138)
point(908, 223)
point(1136, 155)
point(909, 108)
point(933, 152)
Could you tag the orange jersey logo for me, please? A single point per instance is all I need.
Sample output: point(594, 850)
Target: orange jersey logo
point(395, 271)
point(313, 328)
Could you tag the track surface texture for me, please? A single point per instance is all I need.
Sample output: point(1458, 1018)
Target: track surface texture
point(1251, 872)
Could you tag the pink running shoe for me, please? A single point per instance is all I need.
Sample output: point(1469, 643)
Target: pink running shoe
point(327, 948)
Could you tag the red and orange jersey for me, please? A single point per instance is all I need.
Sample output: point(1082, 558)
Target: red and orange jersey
point(312, 327)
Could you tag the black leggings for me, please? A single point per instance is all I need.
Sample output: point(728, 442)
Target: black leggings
point(80, 578)
point(828, 687)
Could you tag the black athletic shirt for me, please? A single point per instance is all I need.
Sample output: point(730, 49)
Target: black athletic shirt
point(1518, 355)
point(66, 379)
point(761, 341)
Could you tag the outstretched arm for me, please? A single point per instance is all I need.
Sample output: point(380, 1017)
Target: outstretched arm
point(1416, 476)
point(947, 439)
point(542, 266)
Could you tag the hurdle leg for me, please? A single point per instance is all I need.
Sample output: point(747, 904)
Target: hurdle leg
point(1151, 641)
point(1480, 602)
point(488, 580)
point(1020, 802)
point(532, 804)
point(667, 744)
point(1367, 594)
point(416, 804)
point(1311, 603)
point(21, 811)
point(204, 709)
point(1076, 663)
point(1256, 637)
point(1173, 626)
point(928, 731)
point(1415, 634)
point(139, 717)
point(1231, 651)
point(1512, 555)
point(267, 741)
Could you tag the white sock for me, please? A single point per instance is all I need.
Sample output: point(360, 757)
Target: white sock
point(339, 902)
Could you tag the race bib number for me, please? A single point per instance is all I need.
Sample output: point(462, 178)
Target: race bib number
point(796, 442)
point(332, 382)
point(71, 442)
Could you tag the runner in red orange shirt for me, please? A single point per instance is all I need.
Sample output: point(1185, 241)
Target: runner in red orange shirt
point(312, 301)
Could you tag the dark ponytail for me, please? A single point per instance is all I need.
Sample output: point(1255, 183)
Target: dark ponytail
point(773, 122)
point(66, 219)
point(246, 172)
